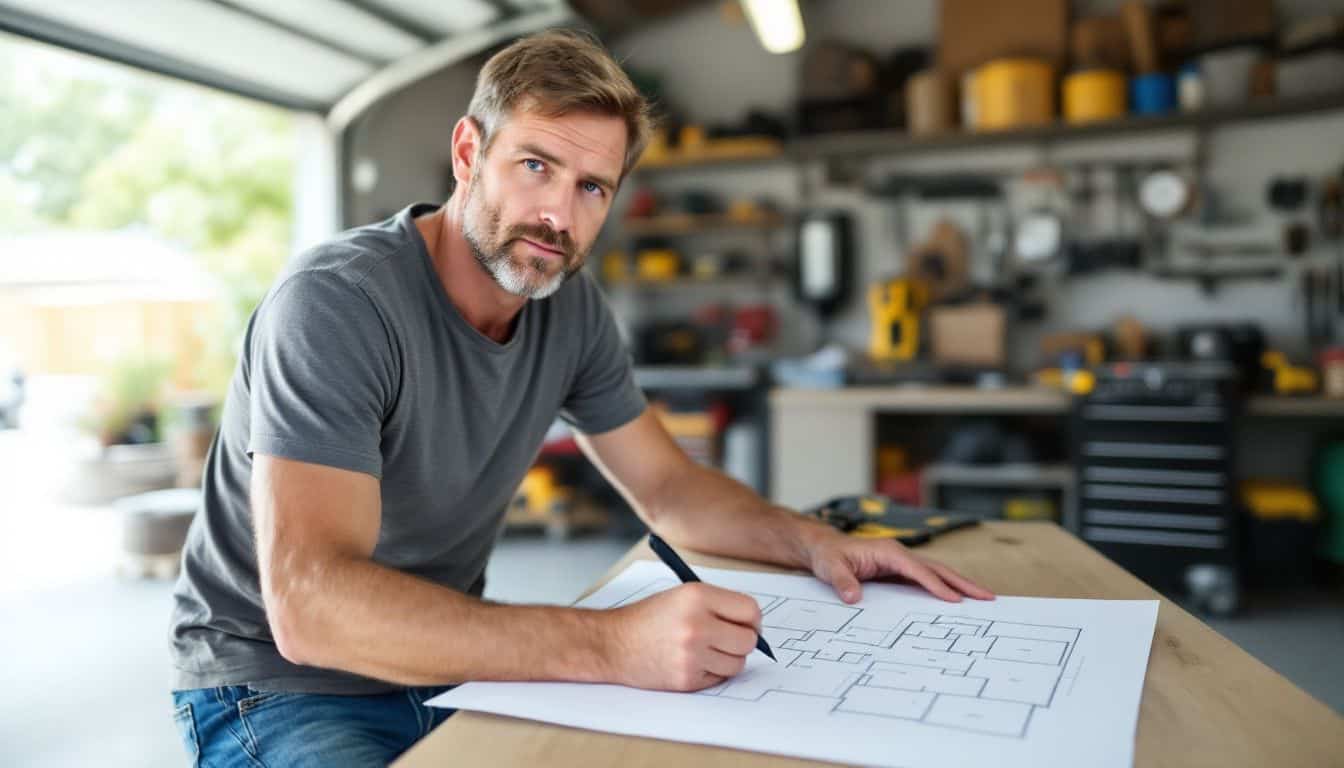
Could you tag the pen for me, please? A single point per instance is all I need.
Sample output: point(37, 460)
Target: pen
point(672, 560)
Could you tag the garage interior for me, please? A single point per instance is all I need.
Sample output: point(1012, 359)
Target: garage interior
point(1084, 266)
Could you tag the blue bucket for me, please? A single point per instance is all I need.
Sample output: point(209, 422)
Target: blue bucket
point(1153, 94)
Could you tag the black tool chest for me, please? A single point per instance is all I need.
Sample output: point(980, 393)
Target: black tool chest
point(1157, 492)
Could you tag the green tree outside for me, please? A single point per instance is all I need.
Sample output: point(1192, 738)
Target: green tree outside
point(93, 145)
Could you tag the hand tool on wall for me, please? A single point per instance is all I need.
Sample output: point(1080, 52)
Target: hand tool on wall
point(824, 265)
point(1330, 209)
point(1286, 378)
point(1038, 239)
point(1320, 292)
point(1288, 196)
point(942, 262)
point(895, 308)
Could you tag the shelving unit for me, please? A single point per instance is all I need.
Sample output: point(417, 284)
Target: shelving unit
point(1307, 407)
point(851, 144)
point(823, 441)
point(893, 142)
point(733, 377)
point(716, 154)
point(690, 224)
point(758, 274)
point(929, 399)
point(692, 283)
point(1014, 399)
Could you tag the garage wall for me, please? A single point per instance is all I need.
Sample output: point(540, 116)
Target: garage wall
point(729, 69)
point(408, 136)
point(733, 73)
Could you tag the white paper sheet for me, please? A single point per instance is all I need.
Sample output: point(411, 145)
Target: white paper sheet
point(901, 679)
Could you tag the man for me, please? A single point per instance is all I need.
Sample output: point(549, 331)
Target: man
point(394, 387)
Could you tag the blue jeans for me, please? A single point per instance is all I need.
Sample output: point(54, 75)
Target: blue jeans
point(235, 725)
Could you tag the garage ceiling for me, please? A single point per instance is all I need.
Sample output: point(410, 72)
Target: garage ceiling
point(301, 54)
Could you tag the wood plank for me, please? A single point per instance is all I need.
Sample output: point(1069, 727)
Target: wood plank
point(1205, 701)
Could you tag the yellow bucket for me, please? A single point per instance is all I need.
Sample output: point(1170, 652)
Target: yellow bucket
point(1094, 94)
point(657, 264)
point(1012, 93)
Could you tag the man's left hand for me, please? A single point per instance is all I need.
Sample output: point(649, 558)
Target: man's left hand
point(845, 562)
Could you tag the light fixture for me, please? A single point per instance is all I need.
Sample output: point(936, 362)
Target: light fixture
point(364, 175)
point(778, 24)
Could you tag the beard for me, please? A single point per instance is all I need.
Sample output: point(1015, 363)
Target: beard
point(526, 277)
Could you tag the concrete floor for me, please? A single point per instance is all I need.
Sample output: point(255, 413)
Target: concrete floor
point(86, 672)
point(86, 667)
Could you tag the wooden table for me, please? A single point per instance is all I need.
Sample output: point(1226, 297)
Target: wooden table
point(1205, 701)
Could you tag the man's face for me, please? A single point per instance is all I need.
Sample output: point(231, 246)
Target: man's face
point(537, 199)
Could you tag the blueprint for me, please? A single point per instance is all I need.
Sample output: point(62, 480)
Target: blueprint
point(900, 679)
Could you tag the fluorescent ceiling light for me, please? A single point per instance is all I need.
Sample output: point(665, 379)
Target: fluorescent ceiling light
point(777, 23)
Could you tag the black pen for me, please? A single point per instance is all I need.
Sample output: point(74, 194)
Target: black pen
point(672, 560)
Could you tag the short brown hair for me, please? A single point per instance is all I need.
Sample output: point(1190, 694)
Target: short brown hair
point(557, 72)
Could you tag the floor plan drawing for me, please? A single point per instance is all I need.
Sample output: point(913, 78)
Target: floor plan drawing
point(898, 679)
point(980, 675)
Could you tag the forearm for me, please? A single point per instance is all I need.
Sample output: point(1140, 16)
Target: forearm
point(705, 510)
point(358, 616)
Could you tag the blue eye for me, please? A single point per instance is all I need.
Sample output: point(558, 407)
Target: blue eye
point(593, 188)
point(533, 164)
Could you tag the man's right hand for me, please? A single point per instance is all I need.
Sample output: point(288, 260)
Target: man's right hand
point(685, 639)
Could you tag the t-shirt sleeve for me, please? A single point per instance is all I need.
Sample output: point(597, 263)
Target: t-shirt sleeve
point(321, 374)
point(603, 395)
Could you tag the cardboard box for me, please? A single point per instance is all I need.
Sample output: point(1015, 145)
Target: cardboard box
point(1216, 23)
point(1100, 41)
point(972, 32)
point(969, 334)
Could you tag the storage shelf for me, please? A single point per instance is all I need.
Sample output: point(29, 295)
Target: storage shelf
point(929, 399)
point(937, 398)
point(695, 377)
point(763, 151)
point(684, 283)
point(690, 224)
point(1284, 405)
point(1001, 475)
point(890, 142)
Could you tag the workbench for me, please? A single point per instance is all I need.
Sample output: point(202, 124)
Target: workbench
point(1205, 701)
point(823, 441)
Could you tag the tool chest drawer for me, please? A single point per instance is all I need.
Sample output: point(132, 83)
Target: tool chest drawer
point(1153, 450)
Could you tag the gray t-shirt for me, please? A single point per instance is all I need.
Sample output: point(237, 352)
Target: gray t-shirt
point(357, 359)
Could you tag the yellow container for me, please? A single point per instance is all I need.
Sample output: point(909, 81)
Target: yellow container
point(656, 264)
point(615, 266)
point(1011, 93)
point(1094, 94)
point(1269, 500)
point(931, 103)
point(1029, 509)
